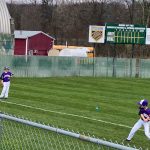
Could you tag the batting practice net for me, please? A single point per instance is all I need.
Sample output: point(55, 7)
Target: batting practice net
point(21, 134)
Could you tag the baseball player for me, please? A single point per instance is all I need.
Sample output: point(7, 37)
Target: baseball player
point(5, 81)
point(144, 113)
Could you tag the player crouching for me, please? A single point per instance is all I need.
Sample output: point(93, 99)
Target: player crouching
point(144, 113)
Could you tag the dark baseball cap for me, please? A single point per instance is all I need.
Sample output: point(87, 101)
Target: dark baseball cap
point(6, 68)
point(143, 102)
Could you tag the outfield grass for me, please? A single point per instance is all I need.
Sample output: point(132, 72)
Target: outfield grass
point(116, 98)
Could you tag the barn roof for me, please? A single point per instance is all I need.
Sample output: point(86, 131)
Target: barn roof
point(23, 34)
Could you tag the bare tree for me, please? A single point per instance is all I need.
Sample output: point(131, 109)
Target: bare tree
point(46, 14)
point(30, 17)
point(130, 5)
point(145, 5)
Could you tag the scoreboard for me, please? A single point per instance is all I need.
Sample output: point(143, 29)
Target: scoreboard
point(125, 33)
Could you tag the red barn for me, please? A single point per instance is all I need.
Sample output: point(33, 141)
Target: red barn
point(32, 43)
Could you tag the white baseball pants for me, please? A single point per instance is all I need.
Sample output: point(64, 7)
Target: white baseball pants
point(5, 90)
point(137, 126)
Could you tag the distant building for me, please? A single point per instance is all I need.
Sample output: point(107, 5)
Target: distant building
point(32, 43)
point(6, 38)
point(4, 18)
point(71, 50)
point(76, 52)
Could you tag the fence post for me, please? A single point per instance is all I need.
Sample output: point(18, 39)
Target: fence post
point(68, 133)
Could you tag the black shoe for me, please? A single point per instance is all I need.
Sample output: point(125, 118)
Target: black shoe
point(128, 140)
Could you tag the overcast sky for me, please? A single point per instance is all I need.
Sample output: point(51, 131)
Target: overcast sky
point(21, 1)
point(39, 1)
point(25, 1)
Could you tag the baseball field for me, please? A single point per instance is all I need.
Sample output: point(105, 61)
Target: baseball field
point(70, 103)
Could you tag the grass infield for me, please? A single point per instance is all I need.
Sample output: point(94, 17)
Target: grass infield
point(116, 98)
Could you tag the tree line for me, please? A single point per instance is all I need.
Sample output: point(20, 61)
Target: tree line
point(69, 20)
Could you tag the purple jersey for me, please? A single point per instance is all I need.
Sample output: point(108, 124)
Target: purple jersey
point(6, 76)
point(145, 112)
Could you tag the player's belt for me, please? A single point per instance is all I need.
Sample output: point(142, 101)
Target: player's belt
point(143, 120)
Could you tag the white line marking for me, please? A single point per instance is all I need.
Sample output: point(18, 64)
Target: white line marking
point(73, 115)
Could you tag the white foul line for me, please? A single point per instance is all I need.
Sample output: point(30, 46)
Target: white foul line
point(73, 115)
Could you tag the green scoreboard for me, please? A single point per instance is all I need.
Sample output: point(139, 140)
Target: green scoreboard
point(125, 33)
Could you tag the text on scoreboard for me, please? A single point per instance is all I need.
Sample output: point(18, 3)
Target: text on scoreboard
point(125, 33)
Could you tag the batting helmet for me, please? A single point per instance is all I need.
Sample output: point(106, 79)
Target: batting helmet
point(143, 102)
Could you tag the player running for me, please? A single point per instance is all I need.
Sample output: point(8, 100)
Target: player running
point(144, 113)
point(5, 81)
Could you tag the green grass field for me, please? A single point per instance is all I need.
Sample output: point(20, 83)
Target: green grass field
point(65, 102)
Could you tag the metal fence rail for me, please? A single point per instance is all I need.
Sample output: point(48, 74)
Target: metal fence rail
point(21, 134)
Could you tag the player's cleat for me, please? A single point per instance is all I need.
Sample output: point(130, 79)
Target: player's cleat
point(3, 98)
point(128, 140)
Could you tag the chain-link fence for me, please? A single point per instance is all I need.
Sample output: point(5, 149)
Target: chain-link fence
point(21, 134)
point(43, 66)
